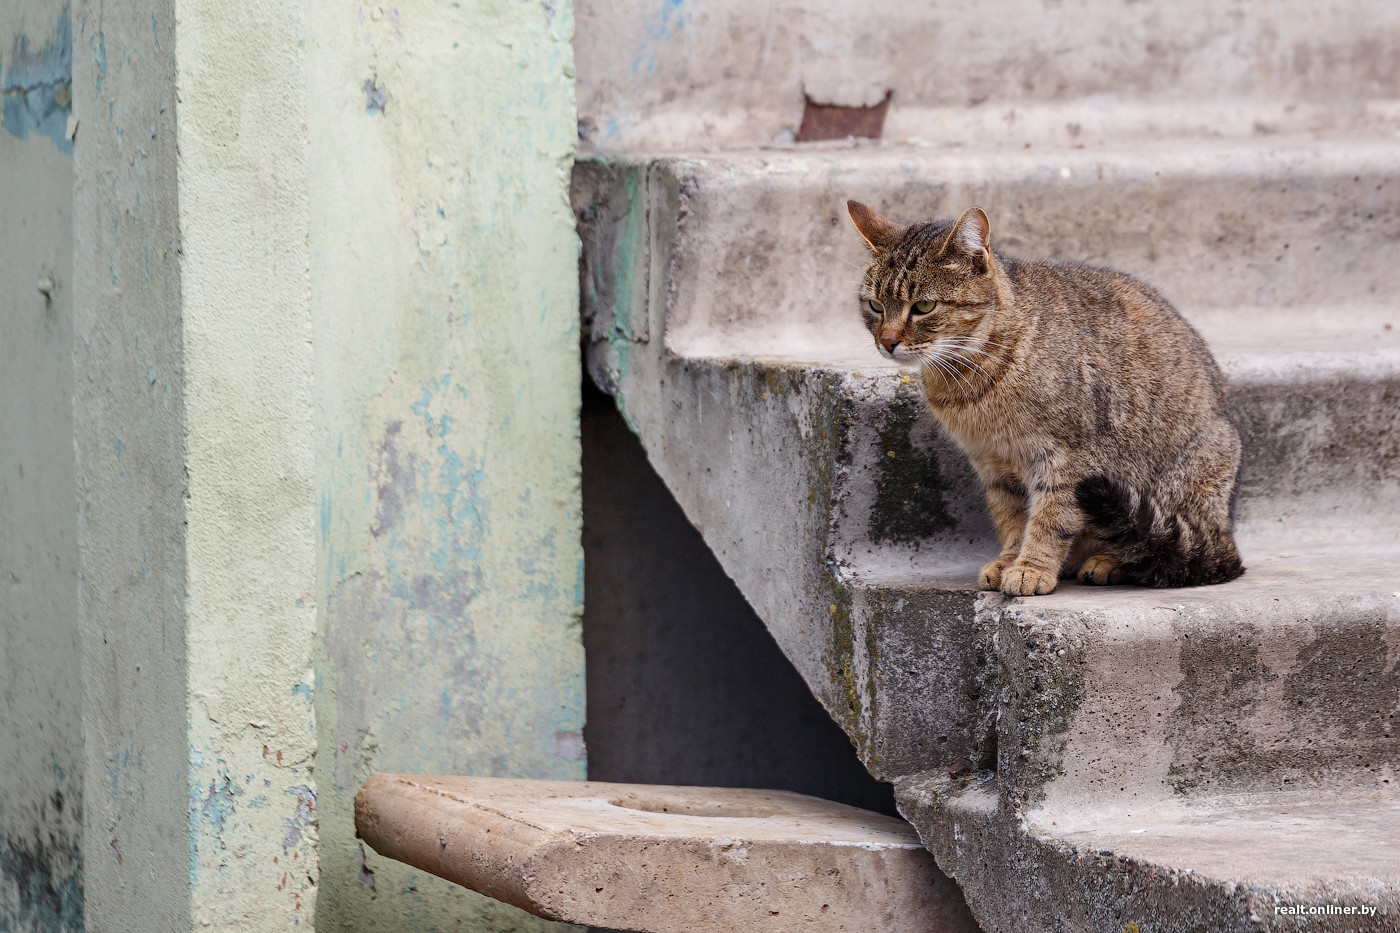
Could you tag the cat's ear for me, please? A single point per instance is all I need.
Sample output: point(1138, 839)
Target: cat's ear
point(880, 232)
point(972, 237)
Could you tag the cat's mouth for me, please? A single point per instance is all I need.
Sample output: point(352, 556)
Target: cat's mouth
point(901, 355)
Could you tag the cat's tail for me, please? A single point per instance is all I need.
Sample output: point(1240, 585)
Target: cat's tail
point(1153, 547)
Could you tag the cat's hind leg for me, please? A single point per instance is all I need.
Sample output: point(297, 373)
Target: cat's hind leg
point(1102, 570)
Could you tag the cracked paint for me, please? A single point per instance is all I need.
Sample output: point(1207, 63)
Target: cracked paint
point(36, 91)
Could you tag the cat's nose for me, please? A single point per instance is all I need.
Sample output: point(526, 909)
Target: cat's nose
point(889, 343)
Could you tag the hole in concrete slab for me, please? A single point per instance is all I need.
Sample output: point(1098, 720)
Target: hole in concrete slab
point(689, 807)
point(830, 121)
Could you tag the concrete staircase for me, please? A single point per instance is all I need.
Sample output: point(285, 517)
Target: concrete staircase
point(1101, 758)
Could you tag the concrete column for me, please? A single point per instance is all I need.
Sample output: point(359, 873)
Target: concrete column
point(40, 691)
point(193, 435)
point(326, 427)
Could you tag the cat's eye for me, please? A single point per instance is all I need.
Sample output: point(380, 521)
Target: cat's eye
point(924, 307)
point(876, 306)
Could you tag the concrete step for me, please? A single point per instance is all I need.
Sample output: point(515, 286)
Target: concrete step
point(729, 73)
point(664, 859)
point(723, 320)
point(1304, 860)
point(765, 259)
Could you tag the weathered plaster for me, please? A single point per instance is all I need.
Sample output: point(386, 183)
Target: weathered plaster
point(197, 516)
point(129, 445)
point(444, 292)
point(250, 511)
point(40, 691)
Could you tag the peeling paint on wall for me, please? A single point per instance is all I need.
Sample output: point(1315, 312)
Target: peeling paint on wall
point(445, 300)
point(36, 91)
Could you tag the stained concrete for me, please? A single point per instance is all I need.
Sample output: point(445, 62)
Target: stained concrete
point(40, 689)
point(664, 859)
point(195, 468)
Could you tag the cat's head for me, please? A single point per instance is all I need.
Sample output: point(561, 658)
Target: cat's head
point(928, 285)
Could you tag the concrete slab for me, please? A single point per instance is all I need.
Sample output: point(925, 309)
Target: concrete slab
point(662, 859)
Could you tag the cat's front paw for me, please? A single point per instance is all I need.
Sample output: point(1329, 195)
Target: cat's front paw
point(990, 577)
point(1024, 580)
point(1101, 570)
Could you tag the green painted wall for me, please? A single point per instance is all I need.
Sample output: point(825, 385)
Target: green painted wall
point(445, 334)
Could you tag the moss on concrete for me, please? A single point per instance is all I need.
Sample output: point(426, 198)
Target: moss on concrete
point(909, 494)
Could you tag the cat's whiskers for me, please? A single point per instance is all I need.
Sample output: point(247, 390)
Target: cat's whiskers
point(954, 347)
point(959, 359)
point(964, 339)
point(934, 367)
point(946, 369)
point(953, 357)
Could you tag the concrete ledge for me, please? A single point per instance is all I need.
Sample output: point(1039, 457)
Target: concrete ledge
point(662, 859)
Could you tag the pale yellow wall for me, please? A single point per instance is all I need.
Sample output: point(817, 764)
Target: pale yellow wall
point(250, 508)
point(444, 295)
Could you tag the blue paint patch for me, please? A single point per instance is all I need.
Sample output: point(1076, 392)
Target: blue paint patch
point(259, 801)
point(305, 814)
point(670, 19)
point(218, 803)
point(325, 516)
point(37, 88)
point(375, 96)
point(117, 447)
point(209, 808)
point(303, 690)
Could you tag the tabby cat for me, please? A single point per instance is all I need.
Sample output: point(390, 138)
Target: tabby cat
point(1094, 415)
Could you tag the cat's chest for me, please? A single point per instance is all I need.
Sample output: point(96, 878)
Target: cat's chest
point(996, 442)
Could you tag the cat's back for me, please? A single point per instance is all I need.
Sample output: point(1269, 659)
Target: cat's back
point(1100, 311)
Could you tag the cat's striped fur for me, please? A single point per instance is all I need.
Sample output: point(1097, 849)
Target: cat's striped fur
point(1094, 415)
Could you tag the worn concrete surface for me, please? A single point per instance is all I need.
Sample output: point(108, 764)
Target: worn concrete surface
point(195, 472)
point(41, 760)
point(267, 333)
point(722, 321)
point(250, 509)
point(129, 439)
point(664, 859)
point(681, 76)
point(1284, 862)
point(448, 582)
